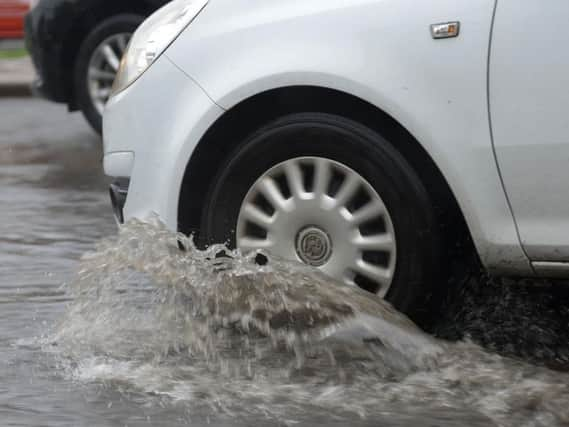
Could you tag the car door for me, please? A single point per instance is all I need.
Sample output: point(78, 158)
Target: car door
point(529, 111)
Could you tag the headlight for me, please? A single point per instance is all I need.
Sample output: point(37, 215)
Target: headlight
point(152, 38)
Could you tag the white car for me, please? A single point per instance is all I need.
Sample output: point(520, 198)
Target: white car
point(363, 137)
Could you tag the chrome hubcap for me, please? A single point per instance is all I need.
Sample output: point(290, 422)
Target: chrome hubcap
point(322, 213)
point(103, 67)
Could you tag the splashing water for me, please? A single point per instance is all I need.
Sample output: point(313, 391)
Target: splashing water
point(279, 341)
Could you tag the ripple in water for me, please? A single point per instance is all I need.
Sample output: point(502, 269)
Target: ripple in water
point(279, 341)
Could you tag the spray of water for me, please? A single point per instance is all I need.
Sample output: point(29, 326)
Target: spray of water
point(224, 332)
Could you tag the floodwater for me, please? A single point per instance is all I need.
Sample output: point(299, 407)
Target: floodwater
point(99, 328)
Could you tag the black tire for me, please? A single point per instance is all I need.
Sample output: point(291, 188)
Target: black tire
point(363, 150)
point(124, 23)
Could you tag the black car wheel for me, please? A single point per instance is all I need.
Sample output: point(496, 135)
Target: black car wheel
point(334, 194)
point(98, 62)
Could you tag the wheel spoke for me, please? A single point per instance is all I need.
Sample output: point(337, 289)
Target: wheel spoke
point(294, 177)
point(347, 190)
point(379, 242)
point(122, 41)
point(103, 93)
point(110, 56)
point(257, 216)
point(371, 210)
point(321, 177)
point(97, 74)
point(272, 193)
point(348, 277)
point(378, 274)
point(249, 244)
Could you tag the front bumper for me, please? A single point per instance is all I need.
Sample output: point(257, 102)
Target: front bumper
point(150, 131)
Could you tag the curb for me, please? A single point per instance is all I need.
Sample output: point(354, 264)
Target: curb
point(12, 44)
point(18, 90)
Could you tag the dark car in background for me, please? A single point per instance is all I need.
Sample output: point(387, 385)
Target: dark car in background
point(76, 46)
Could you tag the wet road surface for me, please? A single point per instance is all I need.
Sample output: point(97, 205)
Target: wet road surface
point(61, 367)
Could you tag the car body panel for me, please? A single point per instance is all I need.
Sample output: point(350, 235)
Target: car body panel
point(436, 89)
point(488, 106)
point(159, 141)
point(529, 106)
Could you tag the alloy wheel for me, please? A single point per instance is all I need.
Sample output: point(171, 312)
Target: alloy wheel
point(103, 67)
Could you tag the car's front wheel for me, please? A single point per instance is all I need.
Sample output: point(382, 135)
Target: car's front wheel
point(98, 62)
point(333, 194)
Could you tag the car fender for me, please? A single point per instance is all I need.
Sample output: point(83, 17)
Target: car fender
point(382, 52)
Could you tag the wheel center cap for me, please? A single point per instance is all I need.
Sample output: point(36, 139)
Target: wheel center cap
point(313, 246)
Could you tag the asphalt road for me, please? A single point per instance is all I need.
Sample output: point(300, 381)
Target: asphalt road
point(516, 317)
point(54, 207)
point(33, 122)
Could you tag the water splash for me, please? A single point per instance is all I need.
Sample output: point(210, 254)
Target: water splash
point(279, 340)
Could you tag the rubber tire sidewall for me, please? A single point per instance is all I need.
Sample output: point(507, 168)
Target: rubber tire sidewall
point(363, 150)
point(124, 23)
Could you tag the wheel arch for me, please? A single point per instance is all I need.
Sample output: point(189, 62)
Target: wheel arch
point(253, 112)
